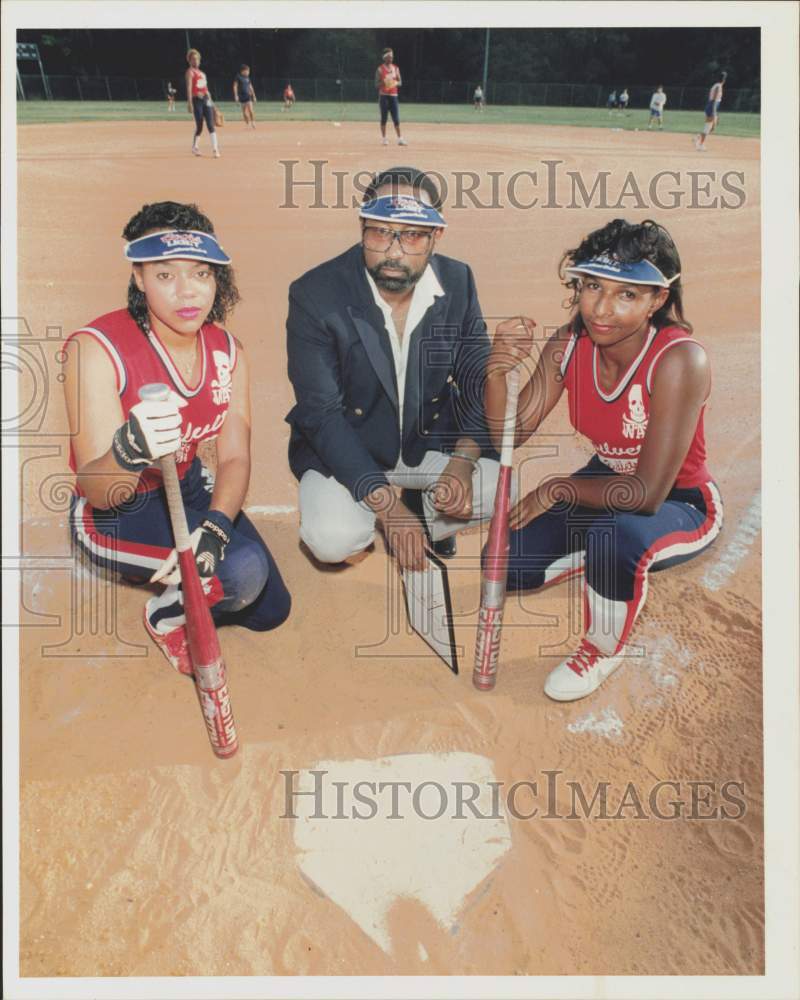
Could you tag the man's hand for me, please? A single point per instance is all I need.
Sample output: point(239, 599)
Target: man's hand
point(405, 536)
point(452, 493)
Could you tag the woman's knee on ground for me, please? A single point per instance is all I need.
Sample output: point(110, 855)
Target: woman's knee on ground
point(243, 573)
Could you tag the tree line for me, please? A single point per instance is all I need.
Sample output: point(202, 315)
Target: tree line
point(606, 56)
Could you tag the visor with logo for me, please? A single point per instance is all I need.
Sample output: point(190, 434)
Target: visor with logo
point(183, 244)
point(640, 272)
point(402, 208)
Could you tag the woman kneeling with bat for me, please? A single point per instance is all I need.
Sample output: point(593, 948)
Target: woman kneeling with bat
point(181, 287)
point(637, 384)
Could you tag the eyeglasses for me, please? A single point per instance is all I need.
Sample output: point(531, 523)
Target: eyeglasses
point(412, 241)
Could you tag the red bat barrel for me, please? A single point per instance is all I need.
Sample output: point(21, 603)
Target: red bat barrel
point(209, 668)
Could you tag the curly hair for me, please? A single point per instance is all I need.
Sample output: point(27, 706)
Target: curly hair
point(630, 242)
point(163, 215)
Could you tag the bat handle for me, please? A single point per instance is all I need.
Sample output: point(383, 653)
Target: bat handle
point(172, 486)
point(510, 417)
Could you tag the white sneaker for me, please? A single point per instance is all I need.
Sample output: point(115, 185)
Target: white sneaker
point(580, 674)
point(217, 153)
point(196, 151)
point(384, 142)
point(402, 142)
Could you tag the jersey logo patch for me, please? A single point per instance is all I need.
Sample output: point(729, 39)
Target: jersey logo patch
point(221, 385)
point(634, 422)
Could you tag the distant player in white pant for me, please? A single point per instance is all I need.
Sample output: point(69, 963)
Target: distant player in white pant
point(657, 102)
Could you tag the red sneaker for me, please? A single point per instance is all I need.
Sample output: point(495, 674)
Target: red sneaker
point(174, 645)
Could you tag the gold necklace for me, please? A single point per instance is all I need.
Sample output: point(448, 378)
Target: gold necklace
point(186, 367)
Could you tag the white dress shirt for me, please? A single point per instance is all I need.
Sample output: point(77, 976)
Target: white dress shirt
point(426, 290)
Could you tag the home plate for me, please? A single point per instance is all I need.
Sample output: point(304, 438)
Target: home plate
point(409, 826)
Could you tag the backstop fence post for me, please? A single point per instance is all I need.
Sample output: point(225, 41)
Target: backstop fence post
point(108, 89)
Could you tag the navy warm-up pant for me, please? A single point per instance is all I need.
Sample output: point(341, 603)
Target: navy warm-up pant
point(203, 111)
point(389, 105)
point(134, 539)
point(614, 551)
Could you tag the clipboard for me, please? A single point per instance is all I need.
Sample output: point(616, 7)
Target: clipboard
point(430, 610)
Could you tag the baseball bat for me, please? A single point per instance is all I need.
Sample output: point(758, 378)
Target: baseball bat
point(209, 668)
point(495, 560)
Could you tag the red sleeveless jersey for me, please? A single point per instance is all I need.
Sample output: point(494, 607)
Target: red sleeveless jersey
point(388, 79)
point(616, 421)
point(140, 358)
point(199, 82)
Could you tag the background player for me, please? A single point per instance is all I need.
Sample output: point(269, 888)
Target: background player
point(478, 99)
point(199, 102)
point(711, 112)
point(637, 384)
point(181, 287)
point(611, 103)
point(171, 92)
point(387, 82)
point(657, 102)
point(622, 100)
point(244, 93)
point(288, 97)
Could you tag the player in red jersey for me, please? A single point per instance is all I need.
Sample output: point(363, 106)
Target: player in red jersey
point(637, 384)
point(181, 287)
point(288, 97)
point(199, 102)
point(387, 83)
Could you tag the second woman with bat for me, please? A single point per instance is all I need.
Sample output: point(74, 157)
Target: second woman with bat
point(181, 288)
point(637, 383)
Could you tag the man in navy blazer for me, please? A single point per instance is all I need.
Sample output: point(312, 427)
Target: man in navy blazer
point(387, 354)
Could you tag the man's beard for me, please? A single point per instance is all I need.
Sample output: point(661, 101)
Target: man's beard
point(394, 283)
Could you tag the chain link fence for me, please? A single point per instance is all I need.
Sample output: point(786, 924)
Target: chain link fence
point(128, 88)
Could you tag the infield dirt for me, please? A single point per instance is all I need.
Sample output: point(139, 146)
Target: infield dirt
point(141, 855)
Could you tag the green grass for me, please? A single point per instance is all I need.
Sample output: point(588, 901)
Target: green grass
point(41, 112)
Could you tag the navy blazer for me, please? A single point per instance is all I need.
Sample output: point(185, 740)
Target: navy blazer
point(345, 423)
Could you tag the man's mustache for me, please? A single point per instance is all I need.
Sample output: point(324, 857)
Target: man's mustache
point(394, 267)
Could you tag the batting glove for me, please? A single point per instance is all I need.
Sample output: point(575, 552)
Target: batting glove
point(208, 544)
point(152, 430)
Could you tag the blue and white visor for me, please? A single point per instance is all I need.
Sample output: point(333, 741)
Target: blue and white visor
point(401, 208)
point(640, 272)
point(177, 243)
